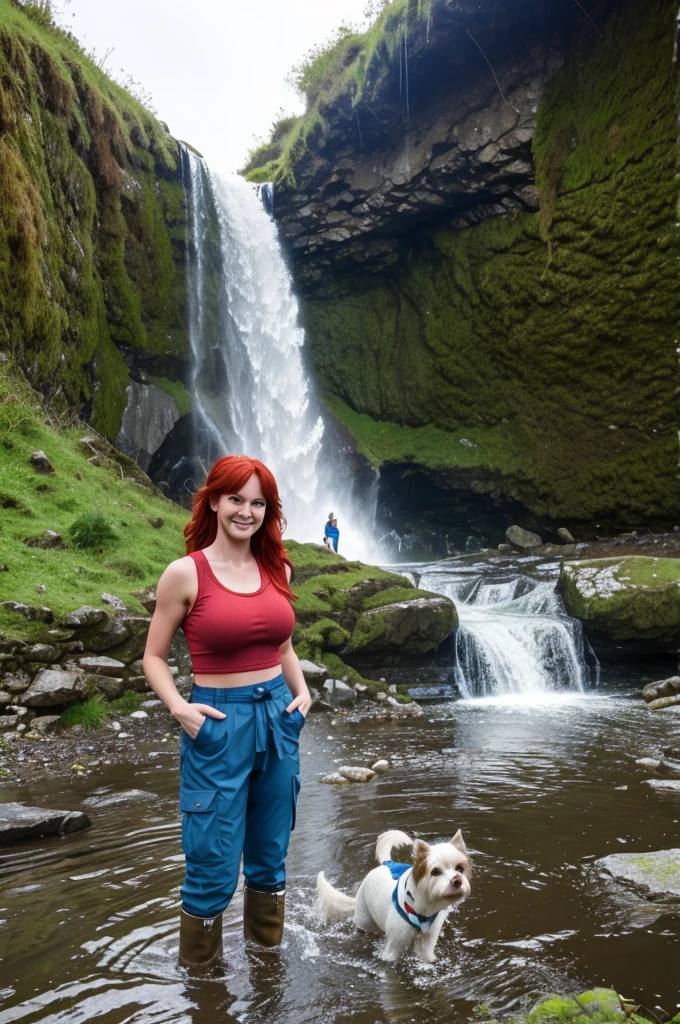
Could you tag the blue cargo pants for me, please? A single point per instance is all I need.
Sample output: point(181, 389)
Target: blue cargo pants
point(239, 782)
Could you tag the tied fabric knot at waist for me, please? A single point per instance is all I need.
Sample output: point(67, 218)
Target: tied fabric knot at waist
point(268, 712)
point(401, 896)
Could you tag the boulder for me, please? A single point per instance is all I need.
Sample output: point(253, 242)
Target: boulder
point(18, 822)
point(114, 601)
point(664, 702)
point(405, 627)
point(565, 536)
point(521, 539)
point(657, 872)
point(102, 666)
point(314, 674)
point(340, 692)
point(53, 687)
point(111, 687)
point(32, 614)
point(46, 724)
point(633, 598)
point(661, 688)
point(42, 652)
point(83, 617)
point(41, 464)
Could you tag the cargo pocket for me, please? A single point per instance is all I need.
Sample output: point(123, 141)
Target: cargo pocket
point(296, 791)
point(200, 825)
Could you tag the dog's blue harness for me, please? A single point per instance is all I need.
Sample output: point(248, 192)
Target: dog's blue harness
point(404, 909)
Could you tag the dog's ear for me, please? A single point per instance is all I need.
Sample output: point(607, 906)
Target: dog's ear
point(459, 842)
point(421, 850)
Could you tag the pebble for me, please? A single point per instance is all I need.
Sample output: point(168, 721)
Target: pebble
point(115, 726)
point(123, 735)
point(380, 766)
point(139, 714)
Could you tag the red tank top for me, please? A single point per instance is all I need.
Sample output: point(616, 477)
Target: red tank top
point(231, 632)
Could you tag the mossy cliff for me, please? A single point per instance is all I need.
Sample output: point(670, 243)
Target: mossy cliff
point(92, 224)
point(530, 357)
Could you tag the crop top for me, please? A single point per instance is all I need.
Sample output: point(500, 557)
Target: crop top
point(231, 632)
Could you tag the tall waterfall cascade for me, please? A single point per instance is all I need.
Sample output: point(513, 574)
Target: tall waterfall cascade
point(514, 637)
point(252, 394)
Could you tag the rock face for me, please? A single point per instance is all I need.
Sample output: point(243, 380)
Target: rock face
point(626, 599)
point(406, 627)
point(657, 872)
point(435, 241)
point(150, 415)
point(19, 822)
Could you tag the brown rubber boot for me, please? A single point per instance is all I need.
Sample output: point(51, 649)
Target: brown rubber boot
point(200, 940)
point(263, 914)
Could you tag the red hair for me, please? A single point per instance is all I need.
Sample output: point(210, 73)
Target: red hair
point(227, 476)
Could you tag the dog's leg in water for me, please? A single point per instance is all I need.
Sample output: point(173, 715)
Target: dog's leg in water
point(426, 941)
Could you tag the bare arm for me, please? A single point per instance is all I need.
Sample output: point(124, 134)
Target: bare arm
point(174, 596)
point(292, 673)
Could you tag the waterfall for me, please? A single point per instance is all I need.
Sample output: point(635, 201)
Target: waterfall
point(514, 637)
point(251, 391)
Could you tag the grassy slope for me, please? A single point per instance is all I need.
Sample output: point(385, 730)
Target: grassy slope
point(72, 577)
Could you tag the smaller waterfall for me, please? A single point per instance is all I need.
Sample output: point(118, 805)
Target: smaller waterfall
point(514, 635)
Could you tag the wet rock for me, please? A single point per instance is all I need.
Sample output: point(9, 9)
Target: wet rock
point(657, 872)
point(19, 822)
point(672, 785)
point(114, 601)
point(356, 773)
point(661, 688)
point(380, 766)
point(340, 692)
point(565, 536)
point(54, 687)
point(314, 674)
point(104, 798)
point(334, 779)
point(664, 702)
point(41, 464)
point(101, 665)
point(521, 539)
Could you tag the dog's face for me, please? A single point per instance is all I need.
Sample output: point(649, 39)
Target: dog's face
point(442, 873)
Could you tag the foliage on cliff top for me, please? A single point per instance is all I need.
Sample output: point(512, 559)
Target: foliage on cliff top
point(347, 69)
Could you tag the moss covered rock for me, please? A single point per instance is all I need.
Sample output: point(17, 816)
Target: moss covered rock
point(633, 598)
point(349, 609)
point(596, 1006)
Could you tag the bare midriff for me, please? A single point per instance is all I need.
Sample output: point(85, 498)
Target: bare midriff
point(226, 679)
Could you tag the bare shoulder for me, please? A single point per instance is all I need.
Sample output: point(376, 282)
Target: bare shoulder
point(180, 576)
point(289, 572)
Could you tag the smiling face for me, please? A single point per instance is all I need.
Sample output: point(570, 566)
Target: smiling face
point(442, 872)
point(241, 514)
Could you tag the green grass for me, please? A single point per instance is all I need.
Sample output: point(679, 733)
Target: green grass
point(128, 703)
point(176, 390)
point(93, 714)
point(138, 553)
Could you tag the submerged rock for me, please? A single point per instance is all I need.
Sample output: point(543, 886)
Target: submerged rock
point(20, 822)
point(334, 779)
point(658, 872)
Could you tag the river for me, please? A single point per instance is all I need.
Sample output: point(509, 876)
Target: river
point(540, 788)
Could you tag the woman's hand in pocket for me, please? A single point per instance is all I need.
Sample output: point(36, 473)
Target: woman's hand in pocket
point(301, 703)
point(192, 716)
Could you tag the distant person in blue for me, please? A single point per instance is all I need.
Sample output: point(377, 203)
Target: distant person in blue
point(333, 533)
point(328, 527)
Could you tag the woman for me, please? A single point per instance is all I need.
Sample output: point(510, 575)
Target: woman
point(239, 753)
point(333, 533)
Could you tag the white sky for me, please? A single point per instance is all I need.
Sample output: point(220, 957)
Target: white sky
point(215, 68)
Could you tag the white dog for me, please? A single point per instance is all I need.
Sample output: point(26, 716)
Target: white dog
point(408, 903)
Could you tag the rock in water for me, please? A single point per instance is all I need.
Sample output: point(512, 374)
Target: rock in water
point(523, 540)
point(19, 822)
point(380, 766)
point(664, 702)
point(658, 872)
point(565, 536)
point(334, 779)
point(356, 774)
